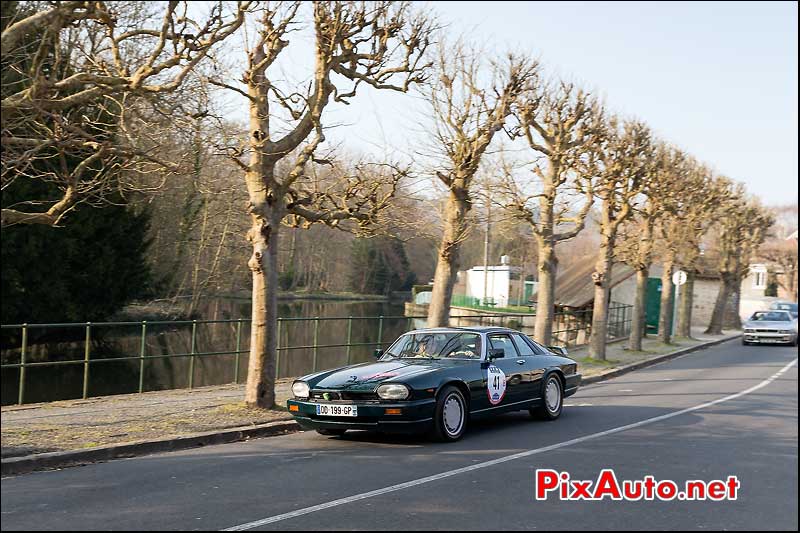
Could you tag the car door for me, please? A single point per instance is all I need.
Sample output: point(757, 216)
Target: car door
point(531, 353)
point(512, 368)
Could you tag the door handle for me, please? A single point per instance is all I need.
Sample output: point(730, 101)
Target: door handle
point(520, 361)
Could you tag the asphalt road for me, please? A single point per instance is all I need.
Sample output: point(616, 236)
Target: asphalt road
point(352, 483)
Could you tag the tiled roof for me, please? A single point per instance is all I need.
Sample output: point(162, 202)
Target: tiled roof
point(574, 285)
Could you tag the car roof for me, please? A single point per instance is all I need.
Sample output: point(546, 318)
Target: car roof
point(472, 329)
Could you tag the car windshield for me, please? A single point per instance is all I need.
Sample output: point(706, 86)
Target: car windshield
point(770, 316)
point(792, 308)
point(437, 345)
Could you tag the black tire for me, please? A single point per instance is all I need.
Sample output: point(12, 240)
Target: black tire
point(745, 343)
point(450, 428)
point(550, 410)
point(331, 432)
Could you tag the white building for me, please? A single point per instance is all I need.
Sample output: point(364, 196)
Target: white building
point(497, 284)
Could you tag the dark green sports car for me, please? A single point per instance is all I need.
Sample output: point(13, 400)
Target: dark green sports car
point(437, 380)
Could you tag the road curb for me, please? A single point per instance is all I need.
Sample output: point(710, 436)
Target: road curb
point(654, 361)
point(51, 460)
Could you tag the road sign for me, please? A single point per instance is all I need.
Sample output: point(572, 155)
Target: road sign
point(679, 277)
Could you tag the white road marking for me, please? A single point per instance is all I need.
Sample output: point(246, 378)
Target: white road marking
point(626, 390)
point(464, 470)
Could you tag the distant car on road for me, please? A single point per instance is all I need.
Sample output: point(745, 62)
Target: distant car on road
point(785, 306)
point(770, 327)
point(437, 380)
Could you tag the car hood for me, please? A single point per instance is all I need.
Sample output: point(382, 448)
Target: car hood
point(369, 376)
point(761, 324)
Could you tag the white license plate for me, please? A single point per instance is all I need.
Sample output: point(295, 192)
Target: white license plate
point(326, 409)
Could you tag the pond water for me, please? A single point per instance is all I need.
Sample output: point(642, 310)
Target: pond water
point(299, 330)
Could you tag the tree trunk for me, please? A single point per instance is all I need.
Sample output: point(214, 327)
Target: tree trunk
point(447, 265)
point(639, 322)
point(717, 316)
point(731, 318)
point(685, 306)
point(546, 292)
point(667, 303)
point(263, 263)
point(602, 290)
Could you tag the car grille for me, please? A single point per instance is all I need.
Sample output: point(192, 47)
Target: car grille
point(346, 396)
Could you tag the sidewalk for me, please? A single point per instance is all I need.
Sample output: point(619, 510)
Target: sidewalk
point(84, 425)
point(618, 355)
point(81, 424)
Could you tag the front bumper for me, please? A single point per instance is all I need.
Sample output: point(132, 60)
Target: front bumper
point(770, 338)
point(416, 416)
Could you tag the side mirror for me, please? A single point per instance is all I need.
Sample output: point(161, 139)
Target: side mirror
point(377, 353)
point(496, 353)
point(559, 350)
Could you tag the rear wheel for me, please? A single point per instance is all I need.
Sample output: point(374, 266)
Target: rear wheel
point(450, 415)
point(552, 399)
point(331, 432)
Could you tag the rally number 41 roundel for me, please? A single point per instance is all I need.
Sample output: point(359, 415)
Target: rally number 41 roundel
point(496, 385)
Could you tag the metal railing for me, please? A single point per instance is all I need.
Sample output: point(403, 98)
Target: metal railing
point(570, 329)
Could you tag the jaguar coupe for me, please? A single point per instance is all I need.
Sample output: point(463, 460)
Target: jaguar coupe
point(437, 380)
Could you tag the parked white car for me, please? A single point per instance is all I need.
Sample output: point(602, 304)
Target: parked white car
point(770, 327)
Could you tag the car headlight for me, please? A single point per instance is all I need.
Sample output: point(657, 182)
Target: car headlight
point(393, 391)
point(300, 389)
point(749, 330)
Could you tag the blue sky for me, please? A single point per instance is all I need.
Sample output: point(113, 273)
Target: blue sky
point(718, 79)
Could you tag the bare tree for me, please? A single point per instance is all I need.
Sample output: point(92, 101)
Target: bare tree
point(559, 124)
point(467, 111)
point(686, 216)
point(624, 162)
point(743, 224)
point(378, 44)
point(704, 193)
point(83, 78)
point(637, 242)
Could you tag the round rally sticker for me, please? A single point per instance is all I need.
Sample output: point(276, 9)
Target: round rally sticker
point(496, 384)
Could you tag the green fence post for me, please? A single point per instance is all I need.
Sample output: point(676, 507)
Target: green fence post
point(191, 356)
point(316, 339)
point(22, 356)
point(349, 336)
point(142, 349)
point(278, 351)
point(86, 360)
point(238, 349)
point(380, 331)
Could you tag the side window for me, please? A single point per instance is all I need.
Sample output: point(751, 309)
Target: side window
point(538, 348)
point(504, 342)
point(524, 347)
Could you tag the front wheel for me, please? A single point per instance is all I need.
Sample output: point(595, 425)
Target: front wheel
point(552, 399)
point(450, 415)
